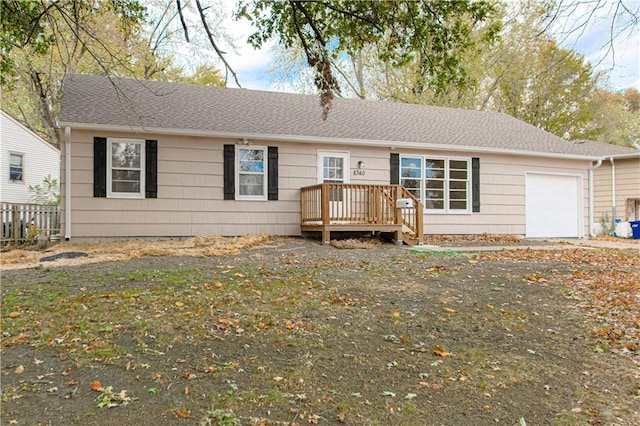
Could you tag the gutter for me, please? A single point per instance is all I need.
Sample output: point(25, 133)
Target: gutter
point(613, 193)
point(67, 183)
point(592, 234)
point(323, 139)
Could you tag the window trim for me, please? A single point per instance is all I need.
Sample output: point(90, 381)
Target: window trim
point(265, 173)
point(22, 155)
point(137, 195)
point(447, 191)
point(322, 154)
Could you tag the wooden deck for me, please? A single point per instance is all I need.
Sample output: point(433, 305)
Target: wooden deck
point(330, 207)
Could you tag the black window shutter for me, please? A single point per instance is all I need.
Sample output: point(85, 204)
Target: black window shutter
point(475, 184)
point(99, 167)
point(394, 169)
point(229, 172)
point(273, 173)
point(151, 169)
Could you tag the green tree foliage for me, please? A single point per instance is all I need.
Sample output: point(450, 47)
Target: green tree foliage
point(523, 73)
point(616, 118)
point(433, 34)
point(43, 41)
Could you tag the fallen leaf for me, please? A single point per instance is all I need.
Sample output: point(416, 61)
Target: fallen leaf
point(14, 314)
point(19, 369)
point(439, 351)
point(576, 410)
point(53, 389)
point(179, 304)
point(36, 361)
point(389, 393)
point(449, 310)
point(96, 386)
point(182, 414)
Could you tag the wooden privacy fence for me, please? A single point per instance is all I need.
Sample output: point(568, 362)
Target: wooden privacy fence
point(25, 222)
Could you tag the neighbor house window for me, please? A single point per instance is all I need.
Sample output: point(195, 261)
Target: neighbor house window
point(251, 178)
point(125, 168)
point(16, 167)
point(441, 184)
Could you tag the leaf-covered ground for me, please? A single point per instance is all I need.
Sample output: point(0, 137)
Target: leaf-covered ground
point(294, 332)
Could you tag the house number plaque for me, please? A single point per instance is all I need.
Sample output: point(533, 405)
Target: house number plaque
point(358, 173)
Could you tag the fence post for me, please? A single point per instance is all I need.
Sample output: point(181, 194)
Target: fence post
point(14, 223)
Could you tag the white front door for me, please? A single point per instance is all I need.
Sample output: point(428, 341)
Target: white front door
point(333, 167)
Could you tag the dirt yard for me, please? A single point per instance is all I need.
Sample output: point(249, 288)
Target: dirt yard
point(289, 331)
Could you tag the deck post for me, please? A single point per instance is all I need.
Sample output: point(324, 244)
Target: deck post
point(326, 221)
point(398, 221)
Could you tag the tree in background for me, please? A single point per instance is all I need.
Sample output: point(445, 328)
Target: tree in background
point(435, 35)
point(523, 73)
point(616, 118)
point(45, 41)
point(429, 51)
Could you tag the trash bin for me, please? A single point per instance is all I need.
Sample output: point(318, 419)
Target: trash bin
point(635, 229)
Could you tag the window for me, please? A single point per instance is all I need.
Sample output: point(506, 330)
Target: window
point(16, 167)
point(125, 168)
point(251, 173)
point(332, 168)
point(441, 184)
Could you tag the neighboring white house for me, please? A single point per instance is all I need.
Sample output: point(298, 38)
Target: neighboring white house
point(25, 159)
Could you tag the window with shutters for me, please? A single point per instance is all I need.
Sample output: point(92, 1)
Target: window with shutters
point(443, 185)
point(125, 168)
point(251, 173)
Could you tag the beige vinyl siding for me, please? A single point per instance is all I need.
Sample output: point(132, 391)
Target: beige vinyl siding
point(627, 187)
point(502, 195)
point(190, 190)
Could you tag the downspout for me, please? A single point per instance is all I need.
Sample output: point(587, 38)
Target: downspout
point(67, 183)
point(613, 193)
point(591, 169)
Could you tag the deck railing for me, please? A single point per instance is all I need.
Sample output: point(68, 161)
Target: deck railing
point(25, 222)
point(360, 207)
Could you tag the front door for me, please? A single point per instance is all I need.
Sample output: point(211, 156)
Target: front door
point(333, 167)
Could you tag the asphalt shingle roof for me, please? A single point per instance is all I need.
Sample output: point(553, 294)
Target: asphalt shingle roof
point(158, 106)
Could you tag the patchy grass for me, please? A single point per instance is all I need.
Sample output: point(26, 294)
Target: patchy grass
point(122, 251)
point(295, 332)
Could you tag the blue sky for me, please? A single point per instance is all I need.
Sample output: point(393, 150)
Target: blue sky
point(622, 63)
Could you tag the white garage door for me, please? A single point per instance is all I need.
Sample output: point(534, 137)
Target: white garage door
point(552, 206)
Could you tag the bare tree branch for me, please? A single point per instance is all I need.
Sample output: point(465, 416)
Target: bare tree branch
point(220, 53)
point(184, 24)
